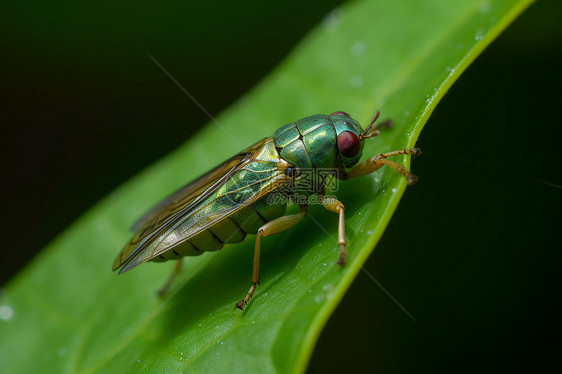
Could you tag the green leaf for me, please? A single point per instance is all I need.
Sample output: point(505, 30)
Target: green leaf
point(67, 312)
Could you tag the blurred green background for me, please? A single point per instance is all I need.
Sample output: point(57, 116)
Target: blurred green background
point(83, 109)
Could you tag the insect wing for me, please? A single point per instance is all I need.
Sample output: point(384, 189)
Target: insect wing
point(219, 193)
point(173, 204)
point(167, 211)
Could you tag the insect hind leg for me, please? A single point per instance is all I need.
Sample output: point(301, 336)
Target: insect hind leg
point(171, 278)
point(273, 227)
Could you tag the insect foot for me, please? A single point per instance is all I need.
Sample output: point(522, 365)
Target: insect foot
point(240, 304)
point(412, 178)
point(343, 255)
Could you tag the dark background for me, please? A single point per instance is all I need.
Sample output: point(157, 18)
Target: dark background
point(473, 250)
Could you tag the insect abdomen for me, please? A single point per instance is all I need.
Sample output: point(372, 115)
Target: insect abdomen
point(231, 229)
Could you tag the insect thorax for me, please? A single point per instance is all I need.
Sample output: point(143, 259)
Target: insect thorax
point(310, 144)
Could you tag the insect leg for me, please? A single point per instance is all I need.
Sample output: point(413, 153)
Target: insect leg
point(334, 205)
point(273, 227)
point(171, 278)
point(376, 162)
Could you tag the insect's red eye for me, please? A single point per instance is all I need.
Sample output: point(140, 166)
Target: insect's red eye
point(339, 113)
point(348, 144)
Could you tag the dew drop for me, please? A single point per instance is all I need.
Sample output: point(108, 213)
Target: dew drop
point(6, 312)
point(61, 351)
point(332, 20)
point(358, 48)
point(356, 81)
point(484, 7)
point(479, 35)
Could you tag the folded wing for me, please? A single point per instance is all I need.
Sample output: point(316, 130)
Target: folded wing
point(235, 183)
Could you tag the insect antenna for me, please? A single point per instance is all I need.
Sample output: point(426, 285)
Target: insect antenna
point(371, 131)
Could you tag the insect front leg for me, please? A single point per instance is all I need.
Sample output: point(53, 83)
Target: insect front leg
point(334, 205)
point(273, 227)
point(376, 162)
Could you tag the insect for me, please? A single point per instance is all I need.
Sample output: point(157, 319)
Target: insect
point(237, 197)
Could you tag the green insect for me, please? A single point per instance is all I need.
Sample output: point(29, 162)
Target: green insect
point(248, 193)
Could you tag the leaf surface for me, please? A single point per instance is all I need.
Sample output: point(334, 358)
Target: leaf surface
point(70, 313)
